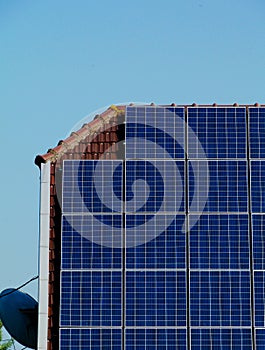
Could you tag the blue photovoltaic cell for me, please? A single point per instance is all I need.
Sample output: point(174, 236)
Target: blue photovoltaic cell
point(160, 186)
point(156, 339)
point(260, 339)
point(87, 339)
point(91, 298)
point(258, 186)
point(220, 298)
point(259, 288)
point(167, 250)
point(223, 339)
point(155, 132)
point(258, 232)
point(79, 252)
point(155, 298)
point(220, 242)
point(89, 186)
point(221, 132)
point(257, 132)
point(227, 186)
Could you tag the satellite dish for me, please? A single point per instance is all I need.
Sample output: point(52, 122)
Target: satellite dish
point(19, 314)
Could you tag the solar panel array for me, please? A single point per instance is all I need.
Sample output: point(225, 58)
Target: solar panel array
point(166, 249)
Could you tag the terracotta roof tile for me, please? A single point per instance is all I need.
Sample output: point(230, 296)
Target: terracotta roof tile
point(102, 129)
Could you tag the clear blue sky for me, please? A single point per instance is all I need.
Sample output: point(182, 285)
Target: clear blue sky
point(61, 60)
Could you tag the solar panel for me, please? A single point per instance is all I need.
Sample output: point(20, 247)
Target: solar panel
point(259, 285)
point(220, 241)
point(91, 298)
point(227, 186)
point(158, 338)
point(220, 299)
point(79, 252)
point(155, 132)
point(258, 186)
point(90, 338)
point(257, 132)
point(84, 182)
point(258, 230)
point(236, 339)
point(155, 298)
point(260, 338)
point(163, 190)
point(165, 249)
point(221, 132)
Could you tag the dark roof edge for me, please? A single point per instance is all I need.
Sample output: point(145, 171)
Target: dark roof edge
point(76, 136)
